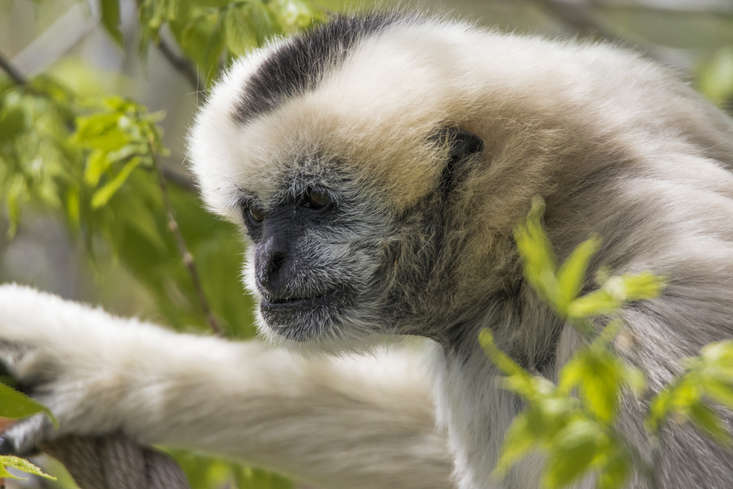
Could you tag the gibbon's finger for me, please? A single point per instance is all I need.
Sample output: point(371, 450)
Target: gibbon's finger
point(5, 423)
point(24, 437)
point(4, 445)
point(10, 356)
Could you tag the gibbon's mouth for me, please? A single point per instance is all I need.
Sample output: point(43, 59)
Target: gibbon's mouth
point(285, 303)
point(304, 319)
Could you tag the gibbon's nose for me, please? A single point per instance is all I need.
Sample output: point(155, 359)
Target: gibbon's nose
point(269, 263)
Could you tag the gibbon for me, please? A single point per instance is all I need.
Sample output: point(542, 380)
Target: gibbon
point(377, 165)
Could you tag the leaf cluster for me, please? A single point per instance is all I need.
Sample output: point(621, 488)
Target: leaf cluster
point(15, 406)
point(93, 160)
point(212, 32)
point(573, 421)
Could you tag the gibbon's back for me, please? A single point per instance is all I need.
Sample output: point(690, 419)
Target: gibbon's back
point(614, 143)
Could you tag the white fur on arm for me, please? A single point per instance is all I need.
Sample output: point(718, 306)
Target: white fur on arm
point(351, 422)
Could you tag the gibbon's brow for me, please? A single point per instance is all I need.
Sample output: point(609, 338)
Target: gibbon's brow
point(299, 64)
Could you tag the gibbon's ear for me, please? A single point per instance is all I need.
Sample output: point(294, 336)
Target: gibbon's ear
point(462, 144)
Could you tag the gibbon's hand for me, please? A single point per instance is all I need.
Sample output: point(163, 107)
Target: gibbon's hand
point(54, 352)
point(250, 401)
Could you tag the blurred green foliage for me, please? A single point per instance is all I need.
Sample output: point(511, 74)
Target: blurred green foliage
point(21, 465)
point(92, 160)
point(716, 77)
point(573, 421)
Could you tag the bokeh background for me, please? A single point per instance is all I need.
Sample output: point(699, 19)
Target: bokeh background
point(122, 255)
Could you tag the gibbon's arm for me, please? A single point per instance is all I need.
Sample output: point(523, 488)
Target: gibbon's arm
point(349, 422)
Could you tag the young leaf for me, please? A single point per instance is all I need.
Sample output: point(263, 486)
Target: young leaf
point(239, 35)
point(641, 286)
point(596, 303)
point(102, 196)
point(721, 392)
point(601, 385)
point(111, 18)
point(573, 452)
point(720, 353)
point(22, 465)
point(519, 440)
point(262, 22)
point(616, 472)
point(12, 123)
point(16, 405)
point(97, 164)
point(706, 419)
point(536, 253)
point(501, 359)
point(572, 273)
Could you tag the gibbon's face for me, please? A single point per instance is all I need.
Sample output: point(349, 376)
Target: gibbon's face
point(339, 153)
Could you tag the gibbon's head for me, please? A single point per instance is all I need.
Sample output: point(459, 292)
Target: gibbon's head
point(379, 163)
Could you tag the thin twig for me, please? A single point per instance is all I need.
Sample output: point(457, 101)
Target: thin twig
point(179, 179)
point(694, 7)
point(581, 20)
point(578, 19)
point(180, 64)
point(183, 249)
point(12, 71)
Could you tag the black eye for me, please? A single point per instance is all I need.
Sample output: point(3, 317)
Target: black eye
point(254, 214)
point(316, 199)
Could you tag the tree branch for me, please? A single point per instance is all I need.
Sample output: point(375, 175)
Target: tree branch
point(180, 64)
point(578, 19)
point(15, 75)
point(179, 179)
point(186, 255)
point(694, 7)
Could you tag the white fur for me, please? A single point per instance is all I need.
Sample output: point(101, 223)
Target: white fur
point(351, 421)
point(367, 422)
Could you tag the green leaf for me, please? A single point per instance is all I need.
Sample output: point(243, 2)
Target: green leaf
point(501, 359)
point(294, 14)
point(596, 303)
point(12, 123)
point(635, 379)
point(537, 255)
point(519, 439)
point(719, 391)
point(111, 18)
point(716, 78)
point(572, 373)
point(720, 353)
point(674, 399)
point(572, 273)
point(262, 22)
point(203, 42)
point(707, 420)
point(17, 192)
point(601, 385)
point(254, 478)
point(105, 131)
point(16, 405)
point(97, 164)
point(22, 465)
point(641, 286)
point(658, 409)
point(572, 454)
point(239, 35)
point(102, 196)
point(616, 472)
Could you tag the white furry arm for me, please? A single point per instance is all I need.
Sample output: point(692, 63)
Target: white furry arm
point(350, 422)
